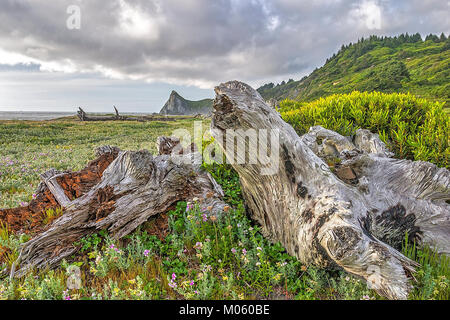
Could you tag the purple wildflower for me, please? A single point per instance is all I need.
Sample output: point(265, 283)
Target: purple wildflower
point(198, 245)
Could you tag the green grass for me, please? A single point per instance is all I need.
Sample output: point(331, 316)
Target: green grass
point(201, 258)
point(433, 276)
point(28, 148)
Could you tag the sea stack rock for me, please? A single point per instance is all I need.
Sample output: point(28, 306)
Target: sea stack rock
point(177, 105)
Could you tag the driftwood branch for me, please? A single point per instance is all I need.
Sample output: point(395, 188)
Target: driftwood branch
point(82, 115)
point(353, 216)
point(133, 188)
point(50, 178)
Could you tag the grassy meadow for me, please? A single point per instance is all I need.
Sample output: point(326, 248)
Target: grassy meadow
point(29, 148)
point(201, 257)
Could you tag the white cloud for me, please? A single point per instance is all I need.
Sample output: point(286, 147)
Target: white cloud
point(202, 42)
point(134, 22)
point(369, 13)
point(11, 58)
point(273, 23)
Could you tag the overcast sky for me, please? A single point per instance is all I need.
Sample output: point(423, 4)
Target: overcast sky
point(58, 55)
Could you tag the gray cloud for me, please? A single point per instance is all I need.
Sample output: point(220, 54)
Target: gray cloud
point(203, 42)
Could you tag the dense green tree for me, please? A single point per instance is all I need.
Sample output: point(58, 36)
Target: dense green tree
point(405, 63)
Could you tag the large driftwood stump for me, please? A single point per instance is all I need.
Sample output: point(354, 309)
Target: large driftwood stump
point(133, 188)
point(353, 217)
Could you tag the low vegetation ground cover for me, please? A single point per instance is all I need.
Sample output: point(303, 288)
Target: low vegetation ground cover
point(413, 128)
point(186, 254)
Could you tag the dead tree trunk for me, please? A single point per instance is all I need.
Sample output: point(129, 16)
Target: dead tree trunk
point(133, 188)
point(82, 115)
point(352, 217)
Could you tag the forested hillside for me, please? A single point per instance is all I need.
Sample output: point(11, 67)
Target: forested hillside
point(406, 63)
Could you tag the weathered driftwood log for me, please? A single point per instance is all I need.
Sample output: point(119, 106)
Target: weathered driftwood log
point(66, 187)
point(82, 115)
point(133, 188)
point(355, 223)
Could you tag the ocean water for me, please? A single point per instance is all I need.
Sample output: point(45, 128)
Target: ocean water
point(36, 116)
point(32, 115)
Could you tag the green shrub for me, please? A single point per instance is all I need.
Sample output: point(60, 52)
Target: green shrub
point(412, 128)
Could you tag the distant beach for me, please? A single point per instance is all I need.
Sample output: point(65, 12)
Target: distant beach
point(37, 116)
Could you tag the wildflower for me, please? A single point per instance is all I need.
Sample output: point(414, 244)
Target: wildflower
point(213, 218)
point(199, 255)
point(347, 278)
point(191, 283)
point(277, 276)
point(209, 208)
point(258, 263)
point(225, 278)
point(244, 252)
point(195, 199)
point(259, 248)
point(189, 207)
point(204, 217)
point(365, 297)
point(172, 282)
point(132, 281)
point(66, 295)
point(198, 245)
point(146, 253)
point(34, 195)
point(233, 250)
point(207, 268)
point(303, 268)
point(226, 208)
point(116, 291)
